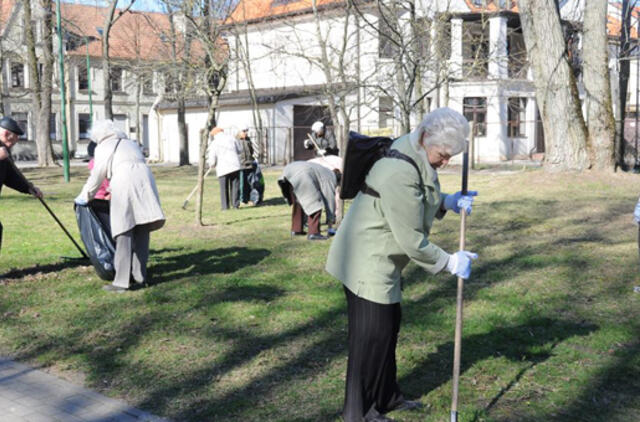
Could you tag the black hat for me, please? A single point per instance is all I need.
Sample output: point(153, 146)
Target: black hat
point(11, 125)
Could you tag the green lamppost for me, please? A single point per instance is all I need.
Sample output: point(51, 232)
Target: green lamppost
point(65, 148)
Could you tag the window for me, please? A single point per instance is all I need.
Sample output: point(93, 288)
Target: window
point(169, 84)
point(517, 117)
point(387, 48)
point(83, 78)
point(120, 121)
point(517, 52)
point(475, 49)
point(84, 124)
point(385, 112)
point(442, 39)
point(116, 79)
point(422, 29)
point(17, 75)
point(52, 126)
point(147, 84)
point(22, 118)
point(475, 110)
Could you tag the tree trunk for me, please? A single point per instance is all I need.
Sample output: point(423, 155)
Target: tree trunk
point(109, 20)
point(182, 130)
point(599, 119)
point(623, 56)
point(556, 91)
point(40, 85)
point(106, 61)
point(139, 86)
point(258, 144)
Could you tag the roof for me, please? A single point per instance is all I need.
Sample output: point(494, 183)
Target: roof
point(263, 96)
point(135, 35)
point(492, 5)
point(6, 8)
point(255, 10)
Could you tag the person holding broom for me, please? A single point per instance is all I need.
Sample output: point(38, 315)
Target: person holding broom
point(9, 176)
point(387, 226)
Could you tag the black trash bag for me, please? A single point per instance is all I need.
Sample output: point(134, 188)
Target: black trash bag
point(97, 241)
point(256, 182)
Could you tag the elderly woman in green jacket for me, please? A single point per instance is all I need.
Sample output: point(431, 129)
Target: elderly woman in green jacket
point(377, 238)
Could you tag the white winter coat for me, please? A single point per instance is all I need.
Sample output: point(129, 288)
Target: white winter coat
point(134, 195)
point(224, 154)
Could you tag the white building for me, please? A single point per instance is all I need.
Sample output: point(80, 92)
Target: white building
point(487, 77)
point(136, 53)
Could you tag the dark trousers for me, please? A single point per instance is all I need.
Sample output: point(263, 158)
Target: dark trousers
point(245, 187)
point(371, 387)
point(0, 236)
point(100, 208)
point(297, 217)
point(229, 189)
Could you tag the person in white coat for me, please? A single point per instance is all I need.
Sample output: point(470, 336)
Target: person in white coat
point(135, 209)
point(224, 155)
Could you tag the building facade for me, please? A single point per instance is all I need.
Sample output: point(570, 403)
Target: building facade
point(294, 55)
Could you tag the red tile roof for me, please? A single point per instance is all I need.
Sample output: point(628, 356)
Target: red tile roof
point(251, 10)
point(135, 35)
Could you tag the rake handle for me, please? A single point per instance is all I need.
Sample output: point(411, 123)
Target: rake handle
point(457, 347)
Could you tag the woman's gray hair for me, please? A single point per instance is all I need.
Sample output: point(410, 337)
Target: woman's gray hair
point(446, 128)
point(104, 129)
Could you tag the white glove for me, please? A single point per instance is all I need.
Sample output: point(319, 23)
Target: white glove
point(322, 151)
point(460, 263)
point(80, 201)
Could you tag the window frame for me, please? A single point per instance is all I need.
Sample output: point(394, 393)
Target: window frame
point(472, 112)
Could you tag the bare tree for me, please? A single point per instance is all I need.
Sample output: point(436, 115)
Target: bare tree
point(556, 90)
point(598, 104)
point(109, 21)
point(205, 19)
point(40, 78)
point(625, 67)
point(418, 66)
point(243, 55)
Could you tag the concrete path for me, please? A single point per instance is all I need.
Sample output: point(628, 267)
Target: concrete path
point(29, 395)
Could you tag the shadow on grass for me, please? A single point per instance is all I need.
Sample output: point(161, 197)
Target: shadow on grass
point(301, 354)
point(204, 262)
point(279, 200)
point(47, 268)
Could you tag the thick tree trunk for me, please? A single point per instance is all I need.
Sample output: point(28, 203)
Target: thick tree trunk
point(40, 85)
point(556, 91)
point(599, 111)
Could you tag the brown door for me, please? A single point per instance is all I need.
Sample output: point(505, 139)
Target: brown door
point(303, 118)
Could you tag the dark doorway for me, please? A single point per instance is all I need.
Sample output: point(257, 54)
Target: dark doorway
point(303, 118)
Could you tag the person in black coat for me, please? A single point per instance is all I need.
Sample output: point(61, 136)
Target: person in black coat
point(9, 175)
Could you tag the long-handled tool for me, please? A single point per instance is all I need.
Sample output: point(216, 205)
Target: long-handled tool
point(186, 201)
point(31, 187)
point(315, 144)
point(457, 348)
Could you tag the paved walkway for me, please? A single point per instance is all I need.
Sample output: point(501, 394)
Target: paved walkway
point(29, 395)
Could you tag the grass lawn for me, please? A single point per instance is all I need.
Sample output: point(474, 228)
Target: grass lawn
point(243, 324)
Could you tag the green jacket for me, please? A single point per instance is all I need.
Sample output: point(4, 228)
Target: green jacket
point(379, 236)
